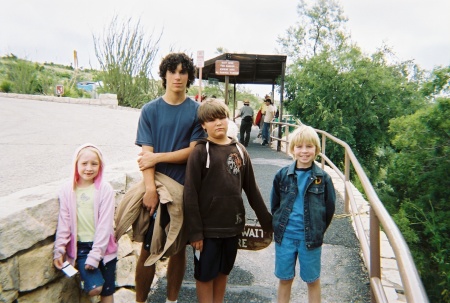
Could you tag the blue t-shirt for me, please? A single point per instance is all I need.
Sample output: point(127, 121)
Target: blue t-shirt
point(295, 228)
point(169, 128)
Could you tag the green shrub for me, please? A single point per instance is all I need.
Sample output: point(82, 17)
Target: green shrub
point(66, 75)
point(6, 86)
point(23, 76)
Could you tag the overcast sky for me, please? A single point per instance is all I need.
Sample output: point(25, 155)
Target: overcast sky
point(49, 30)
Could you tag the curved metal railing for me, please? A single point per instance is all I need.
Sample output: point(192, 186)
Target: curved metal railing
point(379, 217)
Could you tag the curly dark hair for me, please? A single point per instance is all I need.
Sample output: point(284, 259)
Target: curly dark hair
point(170, 63)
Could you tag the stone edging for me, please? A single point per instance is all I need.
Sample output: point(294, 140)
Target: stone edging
point(108, 100)
point(28, 220)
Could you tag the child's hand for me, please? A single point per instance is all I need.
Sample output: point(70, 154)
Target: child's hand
point(58, 262)
point(197, 245)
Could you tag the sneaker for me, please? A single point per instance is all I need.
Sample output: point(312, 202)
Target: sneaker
point(264, 143)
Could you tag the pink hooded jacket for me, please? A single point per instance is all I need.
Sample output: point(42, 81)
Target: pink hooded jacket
point(105, 245)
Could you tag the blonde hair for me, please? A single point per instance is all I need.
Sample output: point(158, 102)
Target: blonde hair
point(98, 178)
point(304, 134)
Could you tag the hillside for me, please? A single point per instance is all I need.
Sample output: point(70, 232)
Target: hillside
point(23, 76)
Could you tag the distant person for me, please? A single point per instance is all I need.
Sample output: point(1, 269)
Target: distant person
point(217, 171)
point(246, 114)
point(85, 231)
point(167, 132)
point(259, 120)
point(269, 115)
point(302, 204)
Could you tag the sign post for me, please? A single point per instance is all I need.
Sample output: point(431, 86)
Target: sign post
point(200, 65)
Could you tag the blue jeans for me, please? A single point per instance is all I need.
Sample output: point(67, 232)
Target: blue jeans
point(104, 275)
point(265, 131)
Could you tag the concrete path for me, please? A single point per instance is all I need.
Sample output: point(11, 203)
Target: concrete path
point(37, 140)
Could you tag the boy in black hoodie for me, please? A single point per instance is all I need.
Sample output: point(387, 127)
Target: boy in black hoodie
point(217, 170)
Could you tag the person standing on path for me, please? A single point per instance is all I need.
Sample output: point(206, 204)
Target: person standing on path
point(270, 114)
point(167, 132)
point(218, 169)
point(302, 204)
point(246, 114)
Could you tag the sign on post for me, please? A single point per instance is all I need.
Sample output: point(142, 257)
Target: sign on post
point(200, 65)
point(227, 68)
point(200, 59)
point(59, 90)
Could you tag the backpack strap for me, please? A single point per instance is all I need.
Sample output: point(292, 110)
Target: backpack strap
point(241, 153)
point(207, 153)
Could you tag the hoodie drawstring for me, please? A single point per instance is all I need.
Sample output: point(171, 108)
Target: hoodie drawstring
point(208, 159)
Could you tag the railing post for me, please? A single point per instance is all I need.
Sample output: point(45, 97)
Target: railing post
point(323, 150)
point(279, 137)
point(286, 131)
point(347, 179)
point(375, 266)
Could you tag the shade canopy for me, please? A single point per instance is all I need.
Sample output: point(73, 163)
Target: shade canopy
point(253, 68)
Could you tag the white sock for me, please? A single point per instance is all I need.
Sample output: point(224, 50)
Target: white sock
point(168, 301)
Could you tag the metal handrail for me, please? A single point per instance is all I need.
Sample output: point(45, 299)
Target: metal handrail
point(379, 217)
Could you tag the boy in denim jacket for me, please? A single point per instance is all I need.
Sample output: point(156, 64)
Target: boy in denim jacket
point(302, 204)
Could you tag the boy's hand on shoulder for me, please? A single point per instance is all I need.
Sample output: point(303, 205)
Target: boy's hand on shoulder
point(147, 160)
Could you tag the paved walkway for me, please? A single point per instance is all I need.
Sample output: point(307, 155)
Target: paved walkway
point(37, 140)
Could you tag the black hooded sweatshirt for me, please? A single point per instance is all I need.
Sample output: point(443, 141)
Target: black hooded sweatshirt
point(215, 177)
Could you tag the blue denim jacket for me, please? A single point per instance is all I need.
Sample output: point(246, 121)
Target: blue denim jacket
point(319, 200)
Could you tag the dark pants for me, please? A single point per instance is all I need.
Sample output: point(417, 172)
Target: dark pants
point(246, 128)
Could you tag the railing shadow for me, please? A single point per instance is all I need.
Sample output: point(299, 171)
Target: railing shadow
point(379, 218)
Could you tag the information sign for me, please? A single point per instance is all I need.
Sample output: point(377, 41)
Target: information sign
point(227, 68)
point(254, 238)
point(200, 58)
point(59, 90)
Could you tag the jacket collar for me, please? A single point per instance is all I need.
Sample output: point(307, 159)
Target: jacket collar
point(315, 170)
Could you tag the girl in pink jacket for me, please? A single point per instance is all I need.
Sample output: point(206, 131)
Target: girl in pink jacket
point(85, 232)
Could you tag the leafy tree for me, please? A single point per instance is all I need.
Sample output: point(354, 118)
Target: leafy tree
point(352, 97)
point(333, 86)
point(126, 56)
point(319, 28)
point(418, 177)
point(439, 82)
